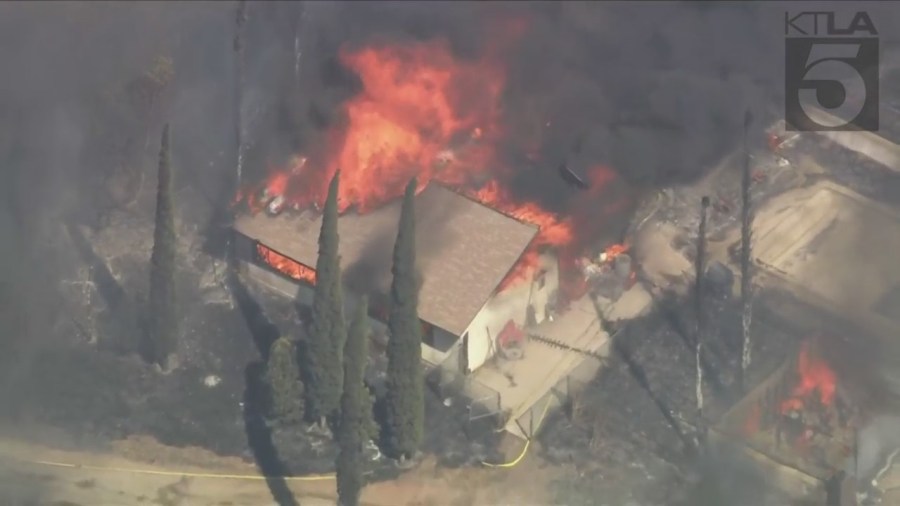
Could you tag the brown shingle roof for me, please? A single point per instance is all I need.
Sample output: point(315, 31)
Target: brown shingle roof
point(463, 248)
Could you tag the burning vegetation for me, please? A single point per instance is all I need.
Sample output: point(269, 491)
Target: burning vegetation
point(799, 415)
point(422, 112)
point(816, 382)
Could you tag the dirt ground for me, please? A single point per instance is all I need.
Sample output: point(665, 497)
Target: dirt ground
point(140, 471)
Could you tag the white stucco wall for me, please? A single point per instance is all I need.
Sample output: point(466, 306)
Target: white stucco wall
point(511, 304)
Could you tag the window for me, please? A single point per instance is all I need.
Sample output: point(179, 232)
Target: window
point(464, 354)
point(427, 333)
point(437, 338)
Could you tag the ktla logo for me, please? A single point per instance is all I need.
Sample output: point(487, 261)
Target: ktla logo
point(830, 68)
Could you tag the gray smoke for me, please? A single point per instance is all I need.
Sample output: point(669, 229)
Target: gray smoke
point(726, 476)
point(878, 444)
point(656, 90)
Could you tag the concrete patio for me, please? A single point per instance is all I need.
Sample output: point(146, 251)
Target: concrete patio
point(535, 382)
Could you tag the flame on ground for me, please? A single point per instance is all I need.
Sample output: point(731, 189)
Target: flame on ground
point(285, 265)
point(817, 382)
point(423, 113)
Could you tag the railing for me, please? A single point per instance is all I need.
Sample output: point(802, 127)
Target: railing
point(485, 411)
point(563, 395)
point(482, 402)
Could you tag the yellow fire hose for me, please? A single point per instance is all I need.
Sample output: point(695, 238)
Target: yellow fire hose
point(521, 456)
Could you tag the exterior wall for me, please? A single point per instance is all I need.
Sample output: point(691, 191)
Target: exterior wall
point(514, 303)
point(432, 356)
point(289, 288)
point(444, 340)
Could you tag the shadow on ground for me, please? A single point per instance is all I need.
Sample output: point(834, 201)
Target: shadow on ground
point(259, 435)
point(263, 331)
point(123, 312)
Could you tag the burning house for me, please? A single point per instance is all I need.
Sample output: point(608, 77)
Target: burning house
point(496, 258)
point(466, 254)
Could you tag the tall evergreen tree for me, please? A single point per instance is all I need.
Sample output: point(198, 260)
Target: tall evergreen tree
point(163, 325)
point(405, 407)
point(326, 340)
point(283, 378)
point(355, 411)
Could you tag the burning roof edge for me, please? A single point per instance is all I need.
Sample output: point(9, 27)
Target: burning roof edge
point(465, 249)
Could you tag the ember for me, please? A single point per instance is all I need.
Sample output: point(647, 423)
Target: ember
point(423, 113)
point(610, 253)
point(285, 265)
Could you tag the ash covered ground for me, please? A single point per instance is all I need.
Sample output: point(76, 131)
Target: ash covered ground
point(630, 435)
point(87, 379)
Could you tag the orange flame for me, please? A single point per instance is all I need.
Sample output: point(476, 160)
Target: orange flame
point(815, 378)
point(286, 265)
point(615, 250)
point(422, 112)
point(417, 103)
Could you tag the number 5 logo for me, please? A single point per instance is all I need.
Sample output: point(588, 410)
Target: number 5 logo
point(825, 64)
point(836, 76)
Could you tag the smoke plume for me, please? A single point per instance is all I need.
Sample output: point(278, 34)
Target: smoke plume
point(657, 91)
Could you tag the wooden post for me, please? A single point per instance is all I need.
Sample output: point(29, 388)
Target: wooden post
point(531, 423)
point(746, 274)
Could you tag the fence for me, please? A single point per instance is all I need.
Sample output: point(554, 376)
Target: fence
point(563, 395)
point(483, 408)
point(485, 413)
point(483, 403)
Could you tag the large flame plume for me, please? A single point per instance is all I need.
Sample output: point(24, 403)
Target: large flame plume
point(422, 112)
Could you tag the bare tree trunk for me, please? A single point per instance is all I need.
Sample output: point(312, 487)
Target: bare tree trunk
point(698, 344)
point(235, 186)
point(746, 274)
point(298, 43)
point(240, 19)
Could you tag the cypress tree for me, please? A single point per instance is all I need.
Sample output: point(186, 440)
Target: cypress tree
point(163, 326)
point(405, 406)
point(355, 411)
point(283, 379)
point(328, 334)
